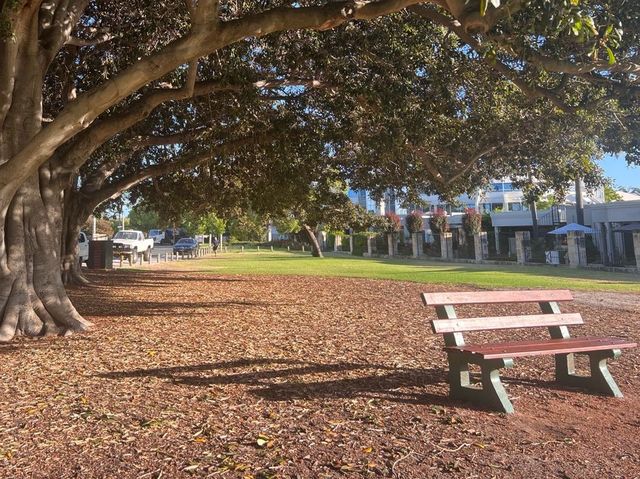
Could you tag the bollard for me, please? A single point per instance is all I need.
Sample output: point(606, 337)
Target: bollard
point(272, 249)
point(288, 248)
point(258, 249)
point(303, 248)
point(242, 249)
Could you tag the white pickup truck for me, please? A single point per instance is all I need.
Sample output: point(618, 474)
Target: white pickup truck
point(83, 247)
point(133, 243)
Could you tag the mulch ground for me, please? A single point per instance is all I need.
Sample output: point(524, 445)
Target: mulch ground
point(191, 375)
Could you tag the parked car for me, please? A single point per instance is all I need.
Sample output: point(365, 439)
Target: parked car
point(185, 246)
point(83, 247)
point(132, 242)
point(156, 235)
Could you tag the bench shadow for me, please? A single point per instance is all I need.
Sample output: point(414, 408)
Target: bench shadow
point(396, 384)
point(550, 385)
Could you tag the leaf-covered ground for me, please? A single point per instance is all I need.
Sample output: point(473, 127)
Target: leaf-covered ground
point(196, 375)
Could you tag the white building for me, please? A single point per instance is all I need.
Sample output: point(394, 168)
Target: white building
point(501, 196)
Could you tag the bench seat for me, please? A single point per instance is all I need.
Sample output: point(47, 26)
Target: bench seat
point(518, 349)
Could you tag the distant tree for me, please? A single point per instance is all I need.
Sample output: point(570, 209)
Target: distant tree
point(545, 203)
point(393, 223)
point(438, 221)
point(287, 224)
point(143, 218)
point(103, 226)
point(610, 194)
point(210, 223)
point(414, 221)
point(471, 221)
point(247, 226)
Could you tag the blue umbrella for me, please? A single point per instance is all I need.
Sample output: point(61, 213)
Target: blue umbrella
point(571, 227)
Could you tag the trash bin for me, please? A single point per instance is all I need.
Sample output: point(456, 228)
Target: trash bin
point(100, 254)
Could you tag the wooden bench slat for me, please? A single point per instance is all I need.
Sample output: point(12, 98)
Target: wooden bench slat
point(543, 347)
point(488, 297)
point(504, 322)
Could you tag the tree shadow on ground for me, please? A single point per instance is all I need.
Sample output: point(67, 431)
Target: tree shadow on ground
point(169, 308)
point(396, 384)
point(153, 278)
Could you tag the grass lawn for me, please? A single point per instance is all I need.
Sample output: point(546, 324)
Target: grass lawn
point(484, 276)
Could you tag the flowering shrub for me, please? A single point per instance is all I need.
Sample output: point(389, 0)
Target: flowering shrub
point(414, 222)
point(438, 221)
point(394, 223)
point(472, 222)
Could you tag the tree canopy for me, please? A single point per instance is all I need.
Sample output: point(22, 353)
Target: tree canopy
point(259, 102)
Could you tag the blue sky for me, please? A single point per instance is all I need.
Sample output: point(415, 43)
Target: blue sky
point(615, 167)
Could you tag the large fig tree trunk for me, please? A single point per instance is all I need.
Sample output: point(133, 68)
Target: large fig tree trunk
point(33, 300)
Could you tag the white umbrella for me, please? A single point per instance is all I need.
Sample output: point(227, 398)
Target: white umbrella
point(571, 227)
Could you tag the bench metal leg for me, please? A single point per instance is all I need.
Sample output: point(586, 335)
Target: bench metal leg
point(491, 395)
point(600, 379)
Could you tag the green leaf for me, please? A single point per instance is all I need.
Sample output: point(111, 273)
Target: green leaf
point(612, 57)
point(608, 31)
point(483, 7)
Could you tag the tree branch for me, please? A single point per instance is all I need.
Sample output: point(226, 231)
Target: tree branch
point(116, 188)
point(532, 91)
point(97, 40)
point(80, 113)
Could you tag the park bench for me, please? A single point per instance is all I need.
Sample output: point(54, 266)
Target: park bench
point(491, 357)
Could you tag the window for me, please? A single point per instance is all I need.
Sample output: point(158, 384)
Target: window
point(127, 235)
point(496, 186)
point(515, 206)
point(507, 187)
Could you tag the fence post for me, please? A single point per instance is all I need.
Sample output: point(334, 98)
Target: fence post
point(337, 243)
point(391, 245)
point(446, 245)
point(416, 244)
point(577, 249)
point(370, 240)
point(636, 248)
point(481, 246)
point(523, 246)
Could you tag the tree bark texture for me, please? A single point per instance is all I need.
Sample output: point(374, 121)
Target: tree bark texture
point(33, 300)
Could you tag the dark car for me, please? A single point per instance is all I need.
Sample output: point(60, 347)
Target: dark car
point(185, 245)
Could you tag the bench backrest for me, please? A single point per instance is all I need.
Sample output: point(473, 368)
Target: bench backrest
point(491, 297)
point(448, 323)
